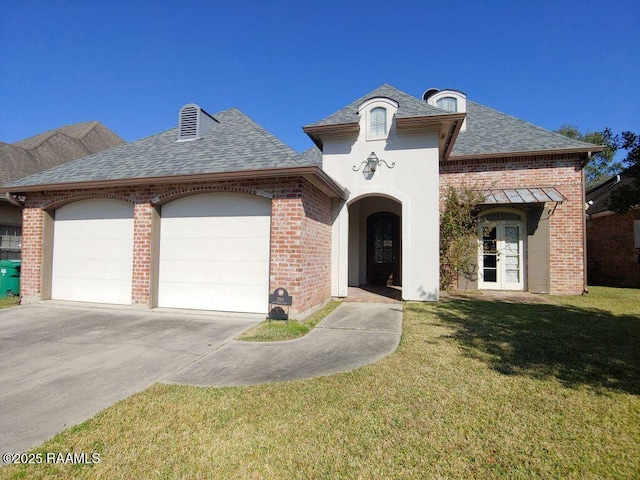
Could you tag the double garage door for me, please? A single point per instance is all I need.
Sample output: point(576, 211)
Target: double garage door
point(214, 252)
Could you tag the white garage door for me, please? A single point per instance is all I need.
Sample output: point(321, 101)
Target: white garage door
point(92, 252)
point(214, 253)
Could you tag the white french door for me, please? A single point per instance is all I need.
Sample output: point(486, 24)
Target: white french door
point(500, 256)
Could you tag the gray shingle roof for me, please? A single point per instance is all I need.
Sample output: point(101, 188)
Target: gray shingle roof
point(312, 156)
point(408, 106)
point(53, 148)
point(236, 143)
point(489, 131)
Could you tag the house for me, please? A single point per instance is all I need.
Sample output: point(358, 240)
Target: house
point(613, 239)
point(38, 153)
point(217, 213)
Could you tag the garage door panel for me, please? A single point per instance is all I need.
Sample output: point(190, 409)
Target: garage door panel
point(93, 252)
point(77, 268)
point(223, 297)
point(214, 253)
point(205, 250)
point(75, 249)
point(94, 290)
point(218, 205)
point(222, 227)
point(86, 228)
point(215, 273)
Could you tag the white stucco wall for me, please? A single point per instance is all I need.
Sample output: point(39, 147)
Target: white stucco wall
point(413, 182)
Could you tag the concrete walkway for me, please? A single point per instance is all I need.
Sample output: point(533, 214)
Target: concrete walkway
point(353, 335)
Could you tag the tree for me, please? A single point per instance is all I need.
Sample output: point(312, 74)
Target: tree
point(627, 196)
point(458, 234)
point(602, 166)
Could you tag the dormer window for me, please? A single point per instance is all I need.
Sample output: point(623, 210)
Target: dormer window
point(376, 117)
point(378, 122)
point(449, 100)
point(449, 104)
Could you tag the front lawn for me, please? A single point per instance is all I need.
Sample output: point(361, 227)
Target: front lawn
point(278, 330)
point(476, 390)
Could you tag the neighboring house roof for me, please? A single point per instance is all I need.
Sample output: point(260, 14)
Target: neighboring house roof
point(234, 143)
point(408, 106)
point(53, 148)
point(598, 197)
point(492, 132)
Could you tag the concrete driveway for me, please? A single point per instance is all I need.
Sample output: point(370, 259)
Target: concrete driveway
point(60, 365)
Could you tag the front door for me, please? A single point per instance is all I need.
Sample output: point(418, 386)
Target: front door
point(383, 248)
point(500, 258)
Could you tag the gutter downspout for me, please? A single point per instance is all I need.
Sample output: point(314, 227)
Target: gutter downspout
point(585, 287)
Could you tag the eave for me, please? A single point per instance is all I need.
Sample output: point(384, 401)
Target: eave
point(449, 127)
point(337, 130)
point(315, 175)
point(525, 153)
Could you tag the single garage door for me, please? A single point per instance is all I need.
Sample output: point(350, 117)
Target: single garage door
point(214, 253)
point(92, 252)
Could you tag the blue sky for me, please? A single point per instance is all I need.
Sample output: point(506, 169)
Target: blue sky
point(133, 64)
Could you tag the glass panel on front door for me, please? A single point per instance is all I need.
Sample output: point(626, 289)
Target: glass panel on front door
point(512, 253)
point(489, 254)
point(383, 241)
point(500, 255)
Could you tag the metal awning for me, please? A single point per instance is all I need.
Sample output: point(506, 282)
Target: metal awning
point(522, 195)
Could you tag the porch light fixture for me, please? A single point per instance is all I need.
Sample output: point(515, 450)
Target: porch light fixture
point(371, 164)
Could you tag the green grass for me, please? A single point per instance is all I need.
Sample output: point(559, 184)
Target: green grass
point(278, 330)
point(9, 302)
point(475, 390)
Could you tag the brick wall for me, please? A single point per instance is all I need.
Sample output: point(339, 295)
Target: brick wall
point(567, 219)
point(612, 258)
point(300, 233)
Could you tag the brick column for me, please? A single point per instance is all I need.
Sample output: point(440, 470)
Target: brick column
point(286, 248)
point(32, 245)
point(143, 252)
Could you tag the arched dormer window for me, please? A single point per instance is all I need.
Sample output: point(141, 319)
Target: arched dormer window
point(449, 100)
point(378, 122)
point(449, 104)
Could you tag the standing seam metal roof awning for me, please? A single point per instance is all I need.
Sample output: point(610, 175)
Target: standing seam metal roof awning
point(522, 195)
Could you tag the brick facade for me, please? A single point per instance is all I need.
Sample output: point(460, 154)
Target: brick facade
point(566, 220)
point(611, 253)
point(300, 234)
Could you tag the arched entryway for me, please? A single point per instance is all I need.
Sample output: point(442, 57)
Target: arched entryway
point(375, 242)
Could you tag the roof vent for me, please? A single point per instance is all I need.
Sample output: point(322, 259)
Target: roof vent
point(193, 122)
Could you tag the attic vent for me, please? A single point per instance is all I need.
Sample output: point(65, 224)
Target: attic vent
point(188, 122)
point(193, 122)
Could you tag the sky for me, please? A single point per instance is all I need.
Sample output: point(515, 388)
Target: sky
point(132, 64)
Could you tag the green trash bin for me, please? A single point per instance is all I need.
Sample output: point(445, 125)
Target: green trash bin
point(9, 278)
